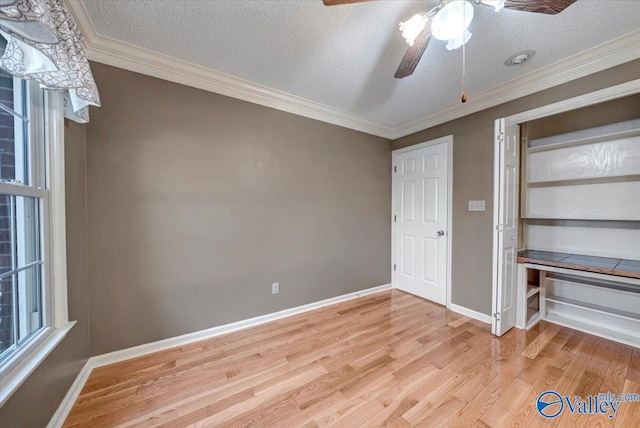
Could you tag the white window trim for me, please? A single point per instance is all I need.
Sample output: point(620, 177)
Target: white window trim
point(49, 337)
point(54, 129)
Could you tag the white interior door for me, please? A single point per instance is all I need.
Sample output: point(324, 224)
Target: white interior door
point(420, 192)
point(507, 170)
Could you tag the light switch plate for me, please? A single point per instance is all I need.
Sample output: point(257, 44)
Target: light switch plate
point(476, 205)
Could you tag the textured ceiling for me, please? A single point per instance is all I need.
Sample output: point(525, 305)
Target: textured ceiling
point(345, 56)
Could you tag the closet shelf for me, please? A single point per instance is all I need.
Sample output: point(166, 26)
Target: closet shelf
point(532, 291)
point(629, 289)
point(593, 307)
point(594, 135)
point(595, 329)
point(581, 217)
point(578, 181)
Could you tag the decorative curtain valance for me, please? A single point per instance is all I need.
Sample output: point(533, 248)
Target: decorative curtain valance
point(43, 44)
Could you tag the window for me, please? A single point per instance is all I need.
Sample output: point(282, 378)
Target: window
point(24, 202)
point(31, 164)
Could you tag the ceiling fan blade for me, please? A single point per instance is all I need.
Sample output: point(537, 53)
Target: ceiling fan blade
point(339, 2)
point(549, 7)
point(412, 57)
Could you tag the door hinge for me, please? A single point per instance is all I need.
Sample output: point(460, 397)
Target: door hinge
point(394, 267)
point(497, 316)
point(394, 219)
point(501, 136)
point(395, 169)
point(499, 227)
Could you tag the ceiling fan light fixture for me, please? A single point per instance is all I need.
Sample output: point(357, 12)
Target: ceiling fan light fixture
point(412, 28)
point(457, 42)
point(496, 4)
point(451, 22)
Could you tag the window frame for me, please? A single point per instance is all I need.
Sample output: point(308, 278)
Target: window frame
point(29, 100)
point(47, 181)
point(46, 317)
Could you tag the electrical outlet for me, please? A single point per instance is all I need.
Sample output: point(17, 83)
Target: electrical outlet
point(275, 288)
point(476, 205)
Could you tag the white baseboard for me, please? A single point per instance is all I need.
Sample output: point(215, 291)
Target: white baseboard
point(148, 348)
point(161, 345)
point(72, 395)
point(470, 313)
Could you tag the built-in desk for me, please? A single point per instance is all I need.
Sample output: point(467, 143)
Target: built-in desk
point(606, 265)
point(598, 295)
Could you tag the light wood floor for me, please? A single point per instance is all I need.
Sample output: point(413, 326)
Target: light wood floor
point(390, 359)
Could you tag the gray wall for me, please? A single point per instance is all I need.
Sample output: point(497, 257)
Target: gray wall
point(37, 399)
point(198, 202)
point(473, 179)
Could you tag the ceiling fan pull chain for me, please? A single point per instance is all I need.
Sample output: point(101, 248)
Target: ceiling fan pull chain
point(464, 58)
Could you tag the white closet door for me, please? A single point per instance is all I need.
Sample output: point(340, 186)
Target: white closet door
point(420, 192)
point(505, 256)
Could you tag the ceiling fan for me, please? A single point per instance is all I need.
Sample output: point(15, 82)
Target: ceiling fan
point(449, 21)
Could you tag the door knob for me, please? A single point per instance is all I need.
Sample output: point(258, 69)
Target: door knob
point(441, 233)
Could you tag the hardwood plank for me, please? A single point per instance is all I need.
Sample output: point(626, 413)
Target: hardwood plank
point(565, 355)
point(486, 391)
point(343, 383)
point(392, 412)
point(627, 415)
point(527, 415)
point(514, 395)
point(442, 413)
point(535, 347)
point(389, 359)
point(352, 413)
point(400, 423)
point(614, 377)
point(617, 371)
point(535, 370)
point(430, 397)
point(210, 409)
point(492, 370)
point(633, 374)
point(555, 344)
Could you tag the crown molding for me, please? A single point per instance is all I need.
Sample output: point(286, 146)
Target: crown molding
point(607, 55)
point(123, 55)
